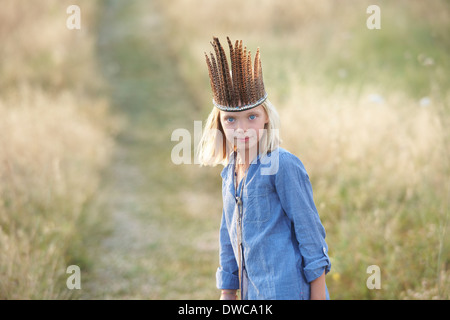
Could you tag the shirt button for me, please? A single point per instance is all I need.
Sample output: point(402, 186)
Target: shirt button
point(324, 250)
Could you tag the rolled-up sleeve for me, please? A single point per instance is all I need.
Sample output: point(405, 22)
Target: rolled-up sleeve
point(227, 274)
point(296, 197)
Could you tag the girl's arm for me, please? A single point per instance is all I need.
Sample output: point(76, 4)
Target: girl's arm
point(227, 275)
point(318, 288)
point(228, 295)
point(295, 192)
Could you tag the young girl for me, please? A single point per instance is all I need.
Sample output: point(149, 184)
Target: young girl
point(272, 242)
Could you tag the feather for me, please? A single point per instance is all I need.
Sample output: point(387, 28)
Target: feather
point(244, 76)
point(222, 88)
point(217, 85)
point(241, 75)
point(236, 79)
point(211, 76)
point(216, 79)
point(256, 75)
point(226, 75)
point(261, 82)
point(250, 83)
point(232, 66)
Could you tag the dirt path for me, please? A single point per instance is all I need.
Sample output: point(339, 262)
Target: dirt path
point(160, 245)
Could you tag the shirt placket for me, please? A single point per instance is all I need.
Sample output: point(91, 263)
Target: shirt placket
point(239, 217)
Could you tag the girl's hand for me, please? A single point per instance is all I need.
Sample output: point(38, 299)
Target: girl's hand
point(318, 288)
point(228, 295)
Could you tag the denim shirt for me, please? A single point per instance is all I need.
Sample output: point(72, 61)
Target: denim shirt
point(284, 246)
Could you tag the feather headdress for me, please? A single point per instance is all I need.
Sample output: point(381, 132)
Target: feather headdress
point(240, 88)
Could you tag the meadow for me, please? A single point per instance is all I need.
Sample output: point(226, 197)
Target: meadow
point(56, 136)
point(367, 111)
point(86, 118)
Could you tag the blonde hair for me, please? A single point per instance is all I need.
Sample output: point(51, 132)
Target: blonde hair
point(213, 148)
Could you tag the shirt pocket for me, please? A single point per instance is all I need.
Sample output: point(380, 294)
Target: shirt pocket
point(257, 206)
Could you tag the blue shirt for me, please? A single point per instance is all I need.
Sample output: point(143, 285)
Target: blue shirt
point(284, 246)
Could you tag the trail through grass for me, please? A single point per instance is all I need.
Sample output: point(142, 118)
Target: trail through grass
point(162, 243)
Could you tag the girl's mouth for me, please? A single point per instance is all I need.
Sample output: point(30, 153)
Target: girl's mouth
point(244, 139)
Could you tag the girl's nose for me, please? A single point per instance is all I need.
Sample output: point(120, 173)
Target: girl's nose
point(241, 126)
point(239, 131)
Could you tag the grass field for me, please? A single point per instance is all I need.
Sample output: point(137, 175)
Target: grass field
point(86, 118)
point(56, 137)
point(367, 111)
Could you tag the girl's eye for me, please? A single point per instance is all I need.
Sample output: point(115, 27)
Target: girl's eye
point(230, 120)
point(252, 117)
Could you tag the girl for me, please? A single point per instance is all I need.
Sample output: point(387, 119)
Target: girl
point(272, 242)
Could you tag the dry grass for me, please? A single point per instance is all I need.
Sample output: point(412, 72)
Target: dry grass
point(366, 111)
point(55, 138)
point(381, 182)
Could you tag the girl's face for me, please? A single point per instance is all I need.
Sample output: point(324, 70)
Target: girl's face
point(243, 129)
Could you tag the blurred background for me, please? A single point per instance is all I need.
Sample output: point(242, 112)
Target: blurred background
point(86, 117)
